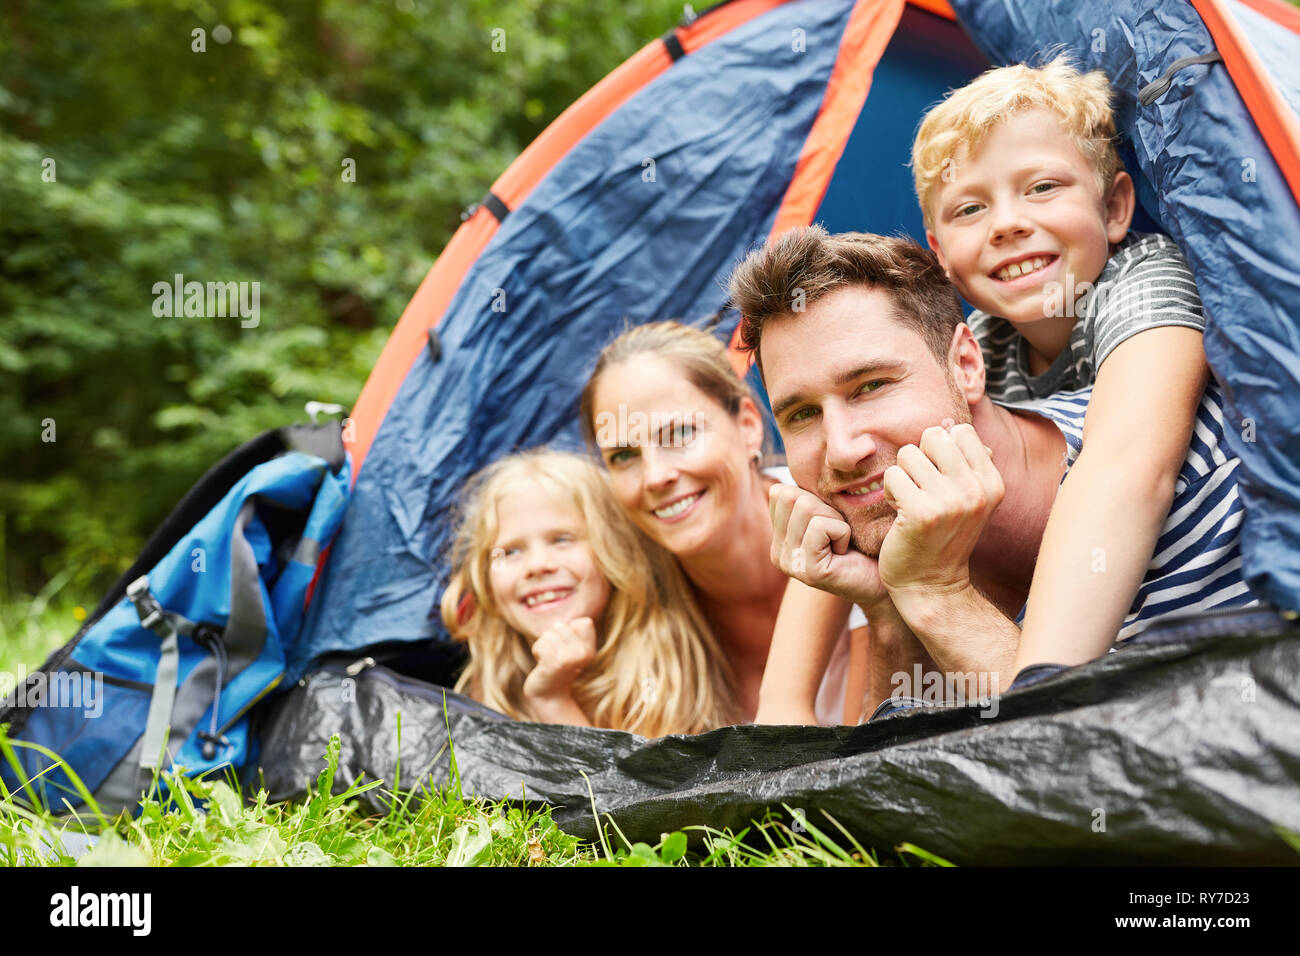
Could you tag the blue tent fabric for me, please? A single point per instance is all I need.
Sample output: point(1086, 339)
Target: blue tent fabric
point(872, 189)
point(1222, 197)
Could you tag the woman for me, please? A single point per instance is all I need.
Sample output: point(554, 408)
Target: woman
point(682, 439)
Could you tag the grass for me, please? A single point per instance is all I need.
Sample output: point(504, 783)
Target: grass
point(32, 627)
point(212, 822)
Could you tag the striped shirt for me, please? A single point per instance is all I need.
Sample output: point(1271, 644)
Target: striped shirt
point(1196, 566)
point(1144, 285)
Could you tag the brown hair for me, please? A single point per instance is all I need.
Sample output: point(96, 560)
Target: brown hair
point(805, 264)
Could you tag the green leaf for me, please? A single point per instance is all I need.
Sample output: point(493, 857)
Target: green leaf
point(674, 847)
point(923, 854)
point(500, 825)
point(470, 845)
point(256, 843)
point(306, 854)
point(112, 850)
point(378, 856)
point(643, 855)
point(229, 808)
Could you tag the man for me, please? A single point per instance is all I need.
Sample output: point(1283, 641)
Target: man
point(918, 498)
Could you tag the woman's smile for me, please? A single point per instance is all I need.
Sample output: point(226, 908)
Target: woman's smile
point(678, 508)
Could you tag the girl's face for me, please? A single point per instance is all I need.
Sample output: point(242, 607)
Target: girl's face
point(542, 570)
point(678, 462)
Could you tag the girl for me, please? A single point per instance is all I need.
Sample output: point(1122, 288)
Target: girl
point(571, 616)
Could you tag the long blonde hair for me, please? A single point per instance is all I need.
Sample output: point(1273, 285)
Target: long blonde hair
point(657, 668)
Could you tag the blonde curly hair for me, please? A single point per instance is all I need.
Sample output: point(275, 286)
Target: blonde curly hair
point(1081, 100)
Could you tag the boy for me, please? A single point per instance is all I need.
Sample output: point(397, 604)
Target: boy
point(1027, 207)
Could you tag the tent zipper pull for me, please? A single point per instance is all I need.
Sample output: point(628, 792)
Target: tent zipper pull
point(1158, 87)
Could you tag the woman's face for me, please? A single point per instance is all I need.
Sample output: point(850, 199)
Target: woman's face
point(678, 462)
point(542, 568)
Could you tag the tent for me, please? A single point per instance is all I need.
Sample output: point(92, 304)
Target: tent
point(758, 116)
point(751, 118)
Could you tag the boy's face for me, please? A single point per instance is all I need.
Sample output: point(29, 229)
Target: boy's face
point(1021, 224)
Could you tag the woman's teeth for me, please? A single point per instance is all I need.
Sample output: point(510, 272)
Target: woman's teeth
point(546, 596)
point(1017, 269)
point(673, 510)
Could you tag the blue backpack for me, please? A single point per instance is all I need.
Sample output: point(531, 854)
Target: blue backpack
point(164, 672)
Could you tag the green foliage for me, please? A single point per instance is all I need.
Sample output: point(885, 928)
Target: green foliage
point(208, 822)
point(229, 165)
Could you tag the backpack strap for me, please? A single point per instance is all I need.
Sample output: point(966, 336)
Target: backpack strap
point(169, 626)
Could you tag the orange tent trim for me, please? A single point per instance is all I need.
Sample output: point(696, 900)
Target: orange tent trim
point(869, 30)
point(1276, 120)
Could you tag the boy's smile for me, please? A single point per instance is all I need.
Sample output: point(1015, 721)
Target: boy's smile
point(1022, 225)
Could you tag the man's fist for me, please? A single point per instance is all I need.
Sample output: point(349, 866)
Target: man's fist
point(563, 651)
point(812, 543)
point(944, 491)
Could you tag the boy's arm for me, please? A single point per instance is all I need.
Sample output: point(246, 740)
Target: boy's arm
point(807, 626)
point(1108, 513)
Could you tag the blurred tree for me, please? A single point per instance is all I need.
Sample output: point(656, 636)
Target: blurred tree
point(324, 150)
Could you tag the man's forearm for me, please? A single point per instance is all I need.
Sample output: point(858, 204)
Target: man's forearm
point(963, 631)
point(894, 651)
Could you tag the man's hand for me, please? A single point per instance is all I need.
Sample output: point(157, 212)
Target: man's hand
point(563, 652)
point(811, 542)
point(945, 491)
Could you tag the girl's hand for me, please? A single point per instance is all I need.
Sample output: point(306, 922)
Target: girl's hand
point(563, 652)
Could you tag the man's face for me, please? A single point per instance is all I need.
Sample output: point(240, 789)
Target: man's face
point(850, 386)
